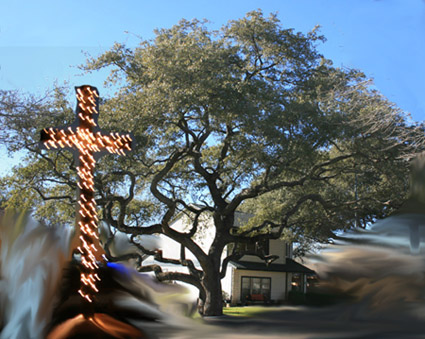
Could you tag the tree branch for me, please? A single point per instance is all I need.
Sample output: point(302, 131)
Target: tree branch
point(171, 276)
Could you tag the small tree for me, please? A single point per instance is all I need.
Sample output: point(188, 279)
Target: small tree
point(221, 118)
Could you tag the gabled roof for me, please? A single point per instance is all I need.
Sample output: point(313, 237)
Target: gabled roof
point(290, 266)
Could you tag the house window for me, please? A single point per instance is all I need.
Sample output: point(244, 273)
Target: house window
point(260, 247)
point(297, 282)
point(255, 285)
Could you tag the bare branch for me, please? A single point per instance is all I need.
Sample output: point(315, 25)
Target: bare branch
point(54, 197)
point(171, 276)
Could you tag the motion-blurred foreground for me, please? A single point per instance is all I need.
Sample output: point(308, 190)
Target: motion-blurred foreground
point(384, 267)
point(39, 291)
point(382, 270)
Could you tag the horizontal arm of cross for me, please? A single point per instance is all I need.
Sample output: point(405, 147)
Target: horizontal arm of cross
point(113, 143)
point(82, 139)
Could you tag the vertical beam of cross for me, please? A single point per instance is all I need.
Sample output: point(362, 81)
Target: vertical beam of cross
point(85, 137)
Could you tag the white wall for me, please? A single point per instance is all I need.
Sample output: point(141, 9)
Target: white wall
point(226, 282)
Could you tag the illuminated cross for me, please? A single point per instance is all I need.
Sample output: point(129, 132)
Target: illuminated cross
point(85, 136)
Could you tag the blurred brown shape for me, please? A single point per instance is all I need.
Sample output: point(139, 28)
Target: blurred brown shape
point(99, 326)
point(415, 204)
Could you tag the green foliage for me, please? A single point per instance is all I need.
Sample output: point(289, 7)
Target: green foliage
point(255, 104)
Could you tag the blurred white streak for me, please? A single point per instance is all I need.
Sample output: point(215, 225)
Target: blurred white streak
point(32, 258)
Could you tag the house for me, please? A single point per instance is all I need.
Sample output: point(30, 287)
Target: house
point(249, 278)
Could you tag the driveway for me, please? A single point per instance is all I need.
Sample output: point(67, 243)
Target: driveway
point(305, 322)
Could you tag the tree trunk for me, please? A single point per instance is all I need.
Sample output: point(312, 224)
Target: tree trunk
point(213, 303)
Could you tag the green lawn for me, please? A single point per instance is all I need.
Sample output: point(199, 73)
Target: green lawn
point(246, 311)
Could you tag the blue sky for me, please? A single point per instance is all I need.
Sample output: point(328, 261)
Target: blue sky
point(43, 41)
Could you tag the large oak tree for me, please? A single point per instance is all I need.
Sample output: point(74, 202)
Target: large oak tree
point(221, 118)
